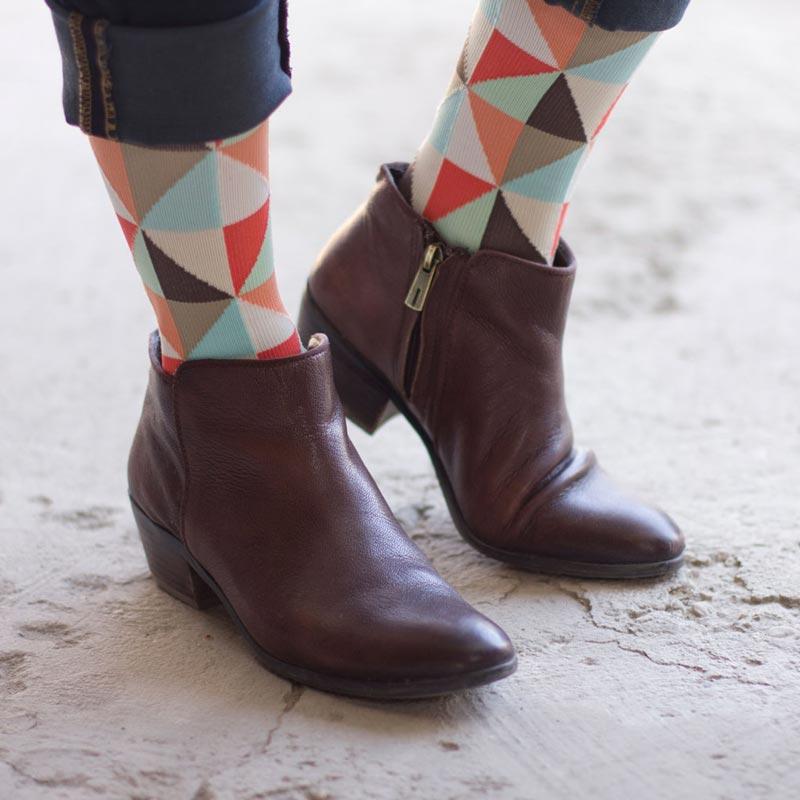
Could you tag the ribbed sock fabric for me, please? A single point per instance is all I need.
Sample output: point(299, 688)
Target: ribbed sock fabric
point(197, 220)
point(533, 89)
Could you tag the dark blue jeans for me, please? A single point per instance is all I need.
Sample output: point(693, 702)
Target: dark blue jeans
point(627, 15)
point(163, 72)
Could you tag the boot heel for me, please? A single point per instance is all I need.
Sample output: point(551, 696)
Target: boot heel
point(167, 562)
point(365, 401)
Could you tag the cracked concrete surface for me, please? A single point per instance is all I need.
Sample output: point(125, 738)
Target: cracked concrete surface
point(683, 374)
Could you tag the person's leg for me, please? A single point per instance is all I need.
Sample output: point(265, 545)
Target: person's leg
point(534, 86)
point(195, 213)
point(465, 341)
point(244, 484)
point(197, 220)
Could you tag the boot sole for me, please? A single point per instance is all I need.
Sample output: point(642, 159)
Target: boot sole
point(369, 400)
point(179, 574)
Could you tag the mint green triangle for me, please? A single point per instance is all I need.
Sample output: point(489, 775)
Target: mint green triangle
point(618, 68)
point(551, 183)
point(192, 204)
point(517, 97)
point(144, 264)
point(227, 337)
point(465, 226)
point(491, 9)
point(264, 266)
point(446, 119)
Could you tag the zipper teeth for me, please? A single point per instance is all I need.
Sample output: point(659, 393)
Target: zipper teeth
point(431, 236)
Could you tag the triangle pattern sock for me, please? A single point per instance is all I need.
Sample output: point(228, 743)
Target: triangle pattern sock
point(533, 88)
point(197, 221)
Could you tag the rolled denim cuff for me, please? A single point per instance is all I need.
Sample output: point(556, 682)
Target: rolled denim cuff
point(161, 86)
point(627, 15)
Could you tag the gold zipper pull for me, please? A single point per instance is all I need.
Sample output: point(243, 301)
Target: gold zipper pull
point(418, 293)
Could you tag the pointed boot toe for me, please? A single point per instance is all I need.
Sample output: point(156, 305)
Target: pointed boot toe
point(478, 645)
point(468, 347)
point(455, 645)
point(248, 492)
point(461, 642)
point(585, 524)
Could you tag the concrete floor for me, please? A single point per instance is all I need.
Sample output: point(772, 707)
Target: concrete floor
point(683, 374)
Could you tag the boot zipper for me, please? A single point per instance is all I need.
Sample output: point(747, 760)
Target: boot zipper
point(418, 293)
point(435, 253)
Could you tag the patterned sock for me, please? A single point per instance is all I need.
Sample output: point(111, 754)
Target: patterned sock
point(196, 218)
point(533, 88)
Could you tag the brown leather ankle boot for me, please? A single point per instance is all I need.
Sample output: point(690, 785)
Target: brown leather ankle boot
point(468, 348)
point(248, 492)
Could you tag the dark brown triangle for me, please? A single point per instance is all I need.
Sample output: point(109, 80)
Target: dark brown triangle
point(557, 113)
point(176, 282)
point(504, 234)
